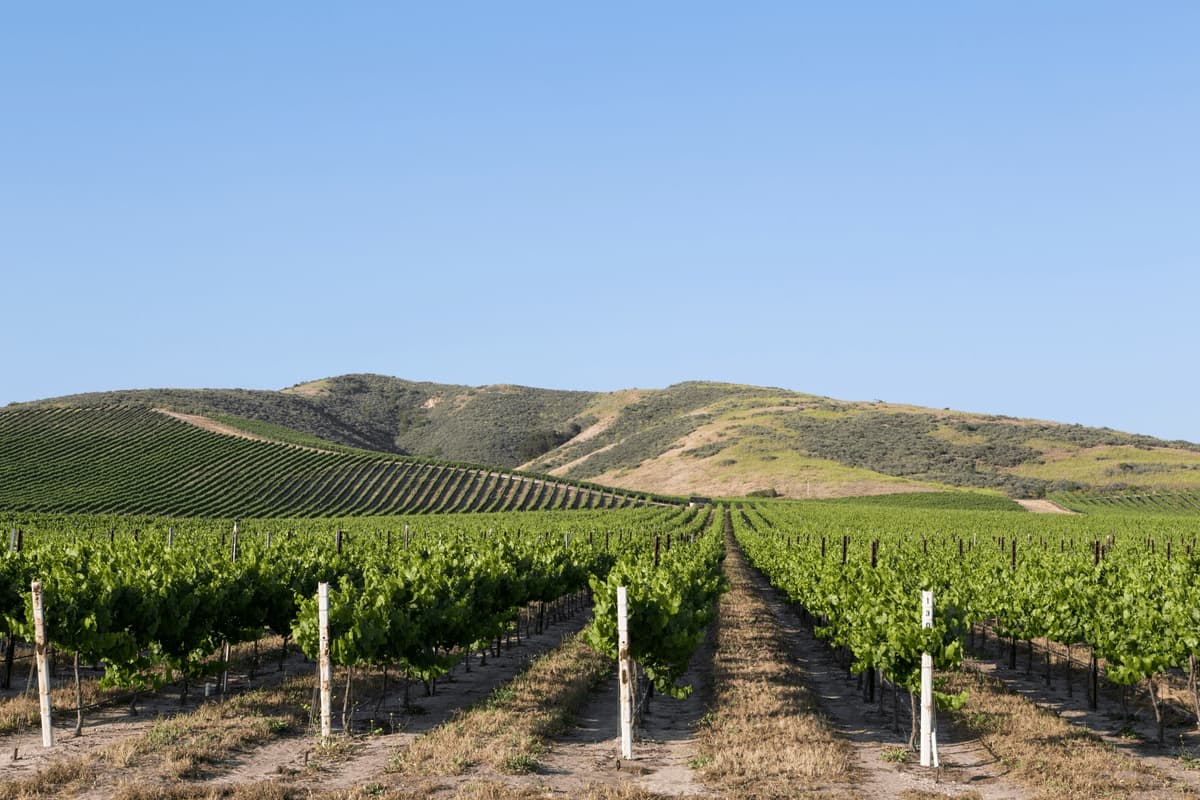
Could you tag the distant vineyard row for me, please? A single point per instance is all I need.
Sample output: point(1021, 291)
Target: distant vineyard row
point(136, 461)
point(1152, 502)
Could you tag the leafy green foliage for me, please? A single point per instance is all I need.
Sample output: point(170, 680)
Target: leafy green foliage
point(117, 593)
point(964, 500)
point(1140, 501)
point(670, 606)
point(1125, 586)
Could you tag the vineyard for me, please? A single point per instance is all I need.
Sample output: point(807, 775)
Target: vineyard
point(137, 461)
point(1140, 502)
point(204, 625)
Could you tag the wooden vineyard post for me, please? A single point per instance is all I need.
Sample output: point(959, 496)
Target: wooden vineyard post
point(324, 669)
point(225, 655)
point(624, 673)
point(928, 731)
point(43, 669)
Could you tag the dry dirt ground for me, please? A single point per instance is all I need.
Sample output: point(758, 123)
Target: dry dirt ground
point(873, 730)
point(1044, 507)
point(211, 425)
point(1126, 723)
point(293, 757)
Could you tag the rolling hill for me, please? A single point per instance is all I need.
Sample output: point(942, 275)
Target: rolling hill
point(691, 438)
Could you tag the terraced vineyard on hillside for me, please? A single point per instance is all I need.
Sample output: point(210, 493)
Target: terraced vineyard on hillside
point(1147, 502)
point(137, 461)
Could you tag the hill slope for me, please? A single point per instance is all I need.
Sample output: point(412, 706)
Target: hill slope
point(137, 461)
point(700, 438)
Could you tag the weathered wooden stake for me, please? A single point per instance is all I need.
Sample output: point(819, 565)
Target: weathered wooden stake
point(624, 673)
point(43, 668)
point(929, 755)
point(324, 668)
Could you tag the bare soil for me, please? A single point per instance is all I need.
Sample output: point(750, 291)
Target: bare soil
point(211, 425)
point(1122, 719)
point(1044, 507)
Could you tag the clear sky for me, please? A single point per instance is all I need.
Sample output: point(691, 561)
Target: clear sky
point(988, 206)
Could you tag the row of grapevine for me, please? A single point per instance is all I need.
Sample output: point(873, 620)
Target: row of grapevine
point(137, 461)
point(1143, 501)
point(1127, 589)
point(152, 599)
point(672, 595)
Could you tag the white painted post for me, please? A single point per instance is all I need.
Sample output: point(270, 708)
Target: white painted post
point(624, 673)
point(324, 668)
point(43, 668)
point(170, 537)
point(928, 731)
point(225, 655)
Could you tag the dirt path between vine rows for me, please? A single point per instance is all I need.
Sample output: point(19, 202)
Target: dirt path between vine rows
point(1134, 734)
point(967, 768)
point(1044, 507)
point(365, 759)
point(587, 757)
point(293, 758)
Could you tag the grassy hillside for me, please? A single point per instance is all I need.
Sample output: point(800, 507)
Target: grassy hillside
point(501, 425)
point(697, 438)
point(137, 461)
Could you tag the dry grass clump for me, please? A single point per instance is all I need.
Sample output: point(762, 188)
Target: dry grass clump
point(765, 736)
point(1046, 754)
point(476, 790)
point(52, 781)
point(507, 730)
point(21, 711)
point(263, 790)
point(184, 746)
point(174, 748)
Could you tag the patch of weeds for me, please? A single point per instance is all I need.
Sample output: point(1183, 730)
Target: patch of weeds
point(519, 764)
point(1128, 733)
point(700, 761)
point(895, 755)
point(278, 726)
point(500, 696)
point(461, 764)
point(165, 733)
point(1186, 758)
point(983, 721)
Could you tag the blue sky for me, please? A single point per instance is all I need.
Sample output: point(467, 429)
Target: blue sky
point(986, 206)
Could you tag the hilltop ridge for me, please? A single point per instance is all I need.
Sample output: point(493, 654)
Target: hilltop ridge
point(696, 437)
